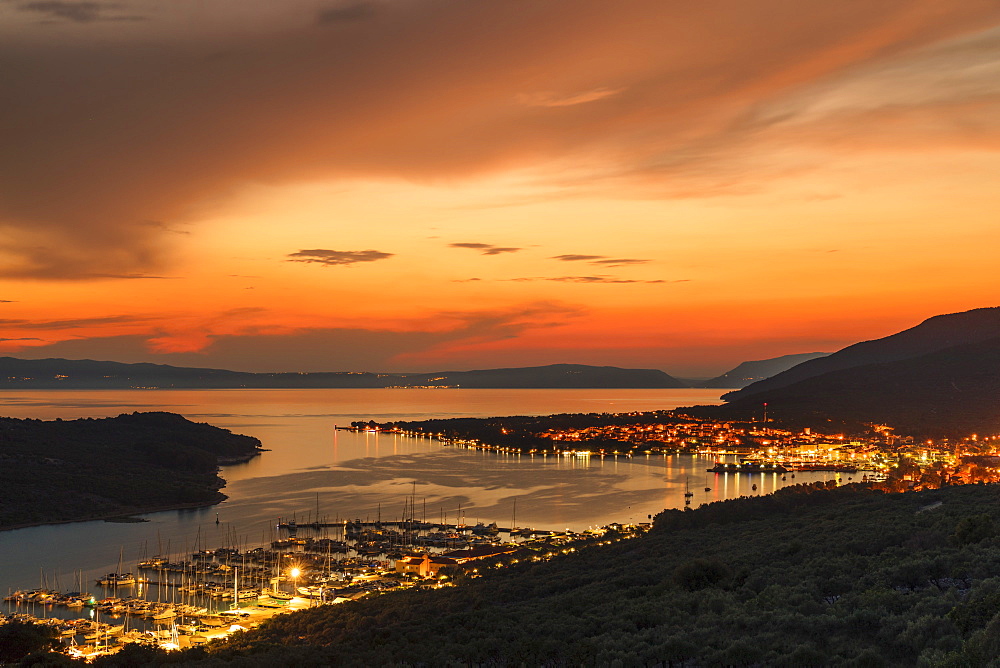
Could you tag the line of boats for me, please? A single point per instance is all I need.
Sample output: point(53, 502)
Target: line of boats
point(761, 466)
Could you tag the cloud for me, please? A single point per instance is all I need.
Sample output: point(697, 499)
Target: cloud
point(578, 258)
point(553, 100)
point(487, 249)
point(79, 12)
point(160, 225)
point(24, 338)
point(600, 260)
point(74, 323)
point(600, 279)
point(399, 346)
point(348, 12)
point(332, 258)
point(586, 279)
point(618, 262)
point(7, 301)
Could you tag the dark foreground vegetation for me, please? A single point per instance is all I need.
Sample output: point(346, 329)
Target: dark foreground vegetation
point(55, 471)
point(805, 577)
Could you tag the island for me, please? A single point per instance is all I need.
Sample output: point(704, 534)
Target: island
point(67, 470)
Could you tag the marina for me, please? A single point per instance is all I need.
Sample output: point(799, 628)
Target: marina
point(209, 593)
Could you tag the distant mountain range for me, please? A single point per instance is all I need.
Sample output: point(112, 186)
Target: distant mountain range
point(751, 372)
point(89, 374)
point(940, 378)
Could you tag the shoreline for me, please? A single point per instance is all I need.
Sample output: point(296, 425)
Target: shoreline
point(127, 514)
point(121, 515)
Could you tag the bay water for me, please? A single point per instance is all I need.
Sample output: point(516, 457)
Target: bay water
point(311, 469)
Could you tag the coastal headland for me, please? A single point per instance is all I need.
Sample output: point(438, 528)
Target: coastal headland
point(69, 470)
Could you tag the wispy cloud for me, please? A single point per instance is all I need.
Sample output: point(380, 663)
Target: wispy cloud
point(549, 99)
point(346, 13)
point(73, 323)
point(603, 260)
point(79, 12)
point(587, 279)
point(486, 249)
point(332, 258)
point(619, 261)
point(578, 258)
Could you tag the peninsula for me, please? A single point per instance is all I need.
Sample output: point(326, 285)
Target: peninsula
point(69, 470)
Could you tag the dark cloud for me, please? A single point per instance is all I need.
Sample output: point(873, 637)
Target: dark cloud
point(600, 260)
point(328, 349)
point(73, 323)
point(585, 279)
point(600, 279)
point(578, 258)
point(349, 12)
point(124, 276)
point(333, 258)
point(79, 12)
point(160, 225)
point(7, 301)
point(487, 249)
point(24, 338)
point(618, 262)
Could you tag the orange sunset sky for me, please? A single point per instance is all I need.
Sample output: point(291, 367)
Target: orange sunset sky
point(453, 184)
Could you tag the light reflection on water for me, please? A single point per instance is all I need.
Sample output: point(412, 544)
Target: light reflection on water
point(367, 475)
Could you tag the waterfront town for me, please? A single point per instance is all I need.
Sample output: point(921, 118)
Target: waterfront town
point(879, 455)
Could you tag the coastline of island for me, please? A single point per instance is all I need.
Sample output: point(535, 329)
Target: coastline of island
point(103, 469)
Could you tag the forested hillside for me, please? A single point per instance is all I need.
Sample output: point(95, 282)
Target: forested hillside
point(804, 577)
point(58, 470)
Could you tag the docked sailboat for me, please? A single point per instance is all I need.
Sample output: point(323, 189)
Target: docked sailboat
point(116, 580)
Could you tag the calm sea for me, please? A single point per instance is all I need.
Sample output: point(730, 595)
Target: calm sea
point(365, 475)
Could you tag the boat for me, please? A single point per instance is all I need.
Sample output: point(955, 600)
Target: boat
point(687, 488)
point(824, 466)
point(164, 613)
point(747, 466)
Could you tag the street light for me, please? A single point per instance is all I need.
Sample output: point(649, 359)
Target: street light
point(295, 573)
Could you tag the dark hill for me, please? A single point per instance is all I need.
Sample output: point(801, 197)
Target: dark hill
point(937, 333)
point(753, 371)
point(64, 470)
point(553, 375)
point(950, 392)
point(47, 374)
